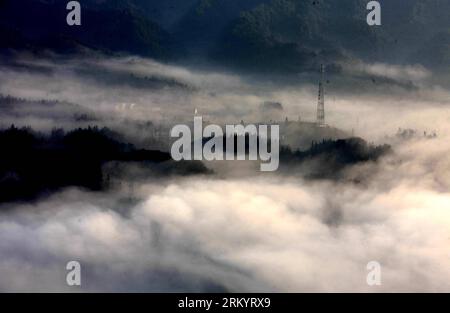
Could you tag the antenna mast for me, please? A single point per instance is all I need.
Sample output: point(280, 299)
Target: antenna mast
point(321, 101)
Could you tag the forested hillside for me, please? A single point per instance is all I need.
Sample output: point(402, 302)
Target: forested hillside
point(257, 35)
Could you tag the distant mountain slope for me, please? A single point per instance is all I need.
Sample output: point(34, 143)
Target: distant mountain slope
point(201, 28)
point(434, 52)
point(295, 35)
point(330, 159)
point(257, 35)
point(33, 164)
point(165, 12)
point(43, 25)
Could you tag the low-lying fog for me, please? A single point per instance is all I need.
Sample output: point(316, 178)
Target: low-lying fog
point(373, 100)
point(228, 233)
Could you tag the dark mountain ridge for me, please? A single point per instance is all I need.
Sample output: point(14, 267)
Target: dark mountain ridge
point(257, 35)
point(33, 164)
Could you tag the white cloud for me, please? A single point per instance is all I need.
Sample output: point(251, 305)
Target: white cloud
point(261, 234)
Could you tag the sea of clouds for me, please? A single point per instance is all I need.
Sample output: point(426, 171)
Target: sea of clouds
point(240, 234)
point(267, 233)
